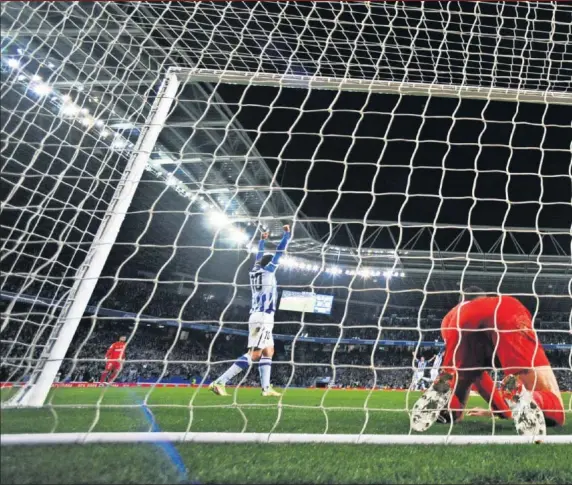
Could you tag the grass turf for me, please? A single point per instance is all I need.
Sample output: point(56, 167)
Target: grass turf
point(302, 410)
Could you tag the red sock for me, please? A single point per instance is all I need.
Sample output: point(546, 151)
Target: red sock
point(114, 374)
point(486, 387)
point(103, 376)
point(551, 407)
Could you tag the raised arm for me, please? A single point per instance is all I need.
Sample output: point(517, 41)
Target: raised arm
point(261, 244)
point(280, 250)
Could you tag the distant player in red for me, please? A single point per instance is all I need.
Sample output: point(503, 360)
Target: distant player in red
point(480, 334)
point(115, 356)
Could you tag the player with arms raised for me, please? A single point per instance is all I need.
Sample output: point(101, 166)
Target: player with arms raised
point(478, 334)
point(419, 374)
point(261, 321)
point(437, 360)
point(115, 356)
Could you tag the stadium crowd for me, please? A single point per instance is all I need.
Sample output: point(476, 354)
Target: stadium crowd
point(157, 349)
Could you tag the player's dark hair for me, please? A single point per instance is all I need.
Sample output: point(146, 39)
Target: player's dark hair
point(265, 260)
point(472, 293)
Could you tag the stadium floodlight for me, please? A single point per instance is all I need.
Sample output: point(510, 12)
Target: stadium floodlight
point(13, 63)
point(69, 110)
point(41, 89)
point(104, 133)
point(119, 143)
point(239, 236)
point(218, 218)
point(402, 274)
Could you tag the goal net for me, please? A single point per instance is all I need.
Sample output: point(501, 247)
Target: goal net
point(414, 149)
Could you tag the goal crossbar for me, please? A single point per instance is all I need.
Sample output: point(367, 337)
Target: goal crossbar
point(186, 75)
point(275, 438)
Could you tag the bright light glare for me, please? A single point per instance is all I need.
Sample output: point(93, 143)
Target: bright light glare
point(99, 123)
point(36, 78)
point(218, 219)
point(13, 63)
point(239, 236)
point(119, 143)
point(402, 275)
point(69, 110)
point(42, 89)
point(104, 134)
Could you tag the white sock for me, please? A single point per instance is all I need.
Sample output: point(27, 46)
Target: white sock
point(265, 369)
point(242, 363)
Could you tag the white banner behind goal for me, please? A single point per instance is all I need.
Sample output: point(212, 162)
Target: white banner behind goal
point(415, 150)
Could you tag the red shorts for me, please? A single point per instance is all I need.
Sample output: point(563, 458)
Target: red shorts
point(113, 365)
point(512, 346)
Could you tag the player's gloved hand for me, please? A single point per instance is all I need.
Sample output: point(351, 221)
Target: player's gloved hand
point(264, 235)
point(286, 228)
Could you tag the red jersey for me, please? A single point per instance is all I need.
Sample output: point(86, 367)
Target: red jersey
point(497, 312)
point(497, 327)
point(116, 351)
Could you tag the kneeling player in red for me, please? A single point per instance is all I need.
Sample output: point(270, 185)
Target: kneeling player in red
point(479, 333)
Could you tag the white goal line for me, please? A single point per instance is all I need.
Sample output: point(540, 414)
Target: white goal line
point(275, 438)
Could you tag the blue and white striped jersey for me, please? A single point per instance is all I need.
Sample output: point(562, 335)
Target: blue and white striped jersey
point(263, 280)
point(264, 290)
point(421, 364)
point(437, 361)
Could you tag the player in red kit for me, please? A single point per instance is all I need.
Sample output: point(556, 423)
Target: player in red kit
point(114, 356)
point(483, 333)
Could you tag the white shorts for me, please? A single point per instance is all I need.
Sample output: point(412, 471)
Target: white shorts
point(260, 326)
point(418, 376)
point(434, 374)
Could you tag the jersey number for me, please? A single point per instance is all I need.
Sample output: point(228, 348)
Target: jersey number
point(256, 281)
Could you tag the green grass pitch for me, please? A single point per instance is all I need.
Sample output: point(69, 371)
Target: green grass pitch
point(302, 411)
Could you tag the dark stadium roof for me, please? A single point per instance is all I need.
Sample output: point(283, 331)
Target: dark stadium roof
point(395, 176)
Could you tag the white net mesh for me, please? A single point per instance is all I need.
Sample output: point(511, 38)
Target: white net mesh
point(381, 133)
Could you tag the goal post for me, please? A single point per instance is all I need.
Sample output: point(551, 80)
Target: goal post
point(43, 377)
point(373, 86)
point(236, 143)
point(37, 388)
